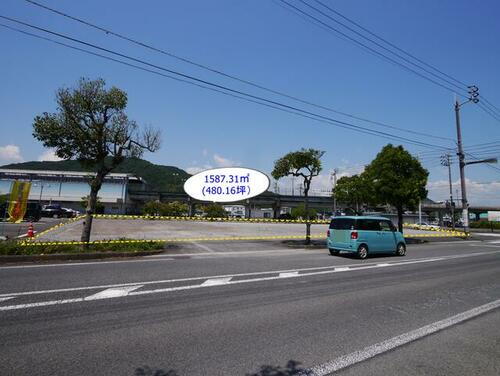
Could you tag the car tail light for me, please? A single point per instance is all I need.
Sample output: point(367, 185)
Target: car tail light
point(354, 235)
point(328, 233)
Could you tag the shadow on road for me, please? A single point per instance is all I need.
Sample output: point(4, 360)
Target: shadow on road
point(146, 371)
point(290, 369)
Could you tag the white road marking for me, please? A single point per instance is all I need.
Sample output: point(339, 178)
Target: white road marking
point(113, 292)
point(84, 263)
point(383, 264)
point(288, 274)
point(204, 247)
point(216, 281)
point(392, 343)
point(328, 269)
point(6, 298)
point(341, 269)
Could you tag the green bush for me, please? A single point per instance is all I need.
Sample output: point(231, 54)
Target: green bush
point(485, 224)
point(300, 212)
point(215, 211)
point(169, 209)
point(12, 247)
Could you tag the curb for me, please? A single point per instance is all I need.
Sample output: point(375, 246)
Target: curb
point(76, 256)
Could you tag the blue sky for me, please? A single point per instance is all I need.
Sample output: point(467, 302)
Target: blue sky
point(262, 42)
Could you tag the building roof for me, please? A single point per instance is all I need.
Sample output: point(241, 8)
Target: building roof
point(32, 174)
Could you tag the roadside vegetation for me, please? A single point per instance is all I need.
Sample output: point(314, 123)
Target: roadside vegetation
point(91, 126)
point(486, 225)
point(174, 208)
point(12, 247)
point(305, 164)
point(394, 178)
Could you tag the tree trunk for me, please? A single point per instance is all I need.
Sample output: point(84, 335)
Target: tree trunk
point(95, 186)
point(400, 218)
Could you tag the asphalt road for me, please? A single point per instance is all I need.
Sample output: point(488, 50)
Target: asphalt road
point(15, 230)
point(256, 309)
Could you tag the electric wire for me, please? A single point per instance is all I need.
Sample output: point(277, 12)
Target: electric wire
point(383, 47)
point(220, 88)
point(226, 75)
point(373, 50)
point(389, 43)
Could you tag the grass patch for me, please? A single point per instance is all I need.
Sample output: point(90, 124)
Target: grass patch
point(11, 247)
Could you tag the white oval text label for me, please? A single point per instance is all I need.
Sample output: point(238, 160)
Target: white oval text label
point(228, 184)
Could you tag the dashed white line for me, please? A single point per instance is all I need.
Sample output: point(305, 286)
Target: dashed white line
point(342, 269)
point(113, 292)
point(220, 280)
point(204, 247)
point(392, 343)
point(5, 298)
point(216, 281)
point(288, 274)
point(337, 268)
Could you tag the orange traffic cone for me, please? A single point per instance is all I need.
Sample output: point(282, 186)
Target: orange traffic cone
point(30, 233)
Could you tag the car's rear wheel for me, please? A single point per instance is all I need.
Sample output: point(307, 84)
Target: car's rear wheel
point(334, 252)
point(401, 249)
point(363, 252)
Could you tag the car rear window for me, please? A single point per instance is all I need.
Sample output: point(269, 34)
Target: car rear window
point(369, 224)
point(342, 224)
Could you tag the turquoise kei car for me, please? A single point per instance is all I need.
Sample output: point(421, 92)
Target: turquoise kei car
point(364, 235)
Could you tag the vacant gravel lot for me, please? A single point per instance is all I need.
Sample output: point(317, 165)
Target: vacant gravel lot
point(153, 229)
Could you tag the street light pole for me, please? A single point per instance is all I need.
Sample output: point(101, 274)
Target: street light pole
point(334, 177)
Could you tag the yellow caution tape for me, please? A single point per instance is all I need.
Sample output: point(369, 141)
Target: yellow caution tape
point(207, 219)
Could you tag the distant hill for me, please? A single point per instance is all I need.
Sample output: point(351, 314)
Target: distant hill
point(158, 177)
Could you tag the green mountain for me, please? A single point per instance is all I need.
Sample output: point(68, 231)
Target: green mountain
point(157, 177)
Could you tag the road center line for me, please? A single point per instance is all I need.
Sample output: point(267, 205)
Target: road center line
point(219, 281)
point(392, 343)
point(338, 268)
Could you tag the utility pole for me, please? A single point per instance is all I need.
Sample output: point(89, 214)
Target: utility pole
point(474, 98)
point(445, 161)
point(461, 164)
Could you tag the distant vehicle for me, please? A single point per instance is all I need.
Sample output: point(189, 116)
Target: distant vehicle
point(364, 235)
point(428, 226)
point(56, 211)
point(33, 211)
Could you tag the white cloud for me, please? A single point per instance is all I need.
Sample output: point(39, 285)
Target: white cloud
point(480, 193)
point(10, 153)
point(195, 169)
point(217, 161)
point(224, 162)
point(49, 155)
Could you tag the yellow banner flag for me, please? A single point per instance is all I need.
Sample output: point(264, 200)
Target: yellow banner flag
point(18, 200)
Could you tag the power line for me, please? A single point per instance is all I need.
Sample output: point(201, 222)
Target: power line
point(380, 45)
point(226, 75)
point(491, 104)
point(487, 107)
point(371, 49)
point(389, 43)
point(488, 111)
point(236, 93)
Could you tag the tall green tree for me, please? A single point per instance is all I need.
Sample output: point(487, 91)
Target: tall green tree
point(91, 126)
point(397, 179)
point(306, 164)
point(352, 190)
